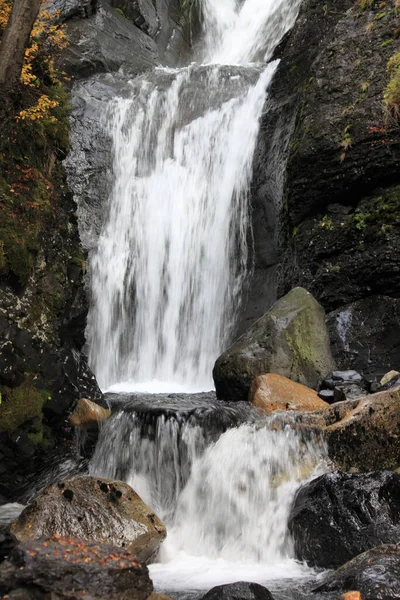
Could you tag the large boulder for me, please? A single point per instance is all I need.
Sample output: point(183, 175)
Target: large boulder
point(70, 568)
point(362, 434)
point(291, 339)
point(375, 573)
point(274, 392)
point(90, 508)
point(241, 590)
point(367, 436)
point(339, 515)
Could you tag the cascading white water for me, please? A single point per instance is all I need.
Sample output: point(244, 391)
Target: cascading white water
point(168, 271)
point(169, 267)
point(225, 503)
point(239, 32)
point(166, 281)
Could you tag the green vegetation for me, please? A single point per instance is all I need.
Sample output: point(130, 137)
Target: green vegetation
point(391, 97)
point(364, 4)
point(23, 404)
point(34, 135)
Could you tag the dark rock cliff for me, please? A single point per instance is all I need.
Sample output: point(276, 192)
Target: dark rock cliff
point(43, 304)
point(338, 202)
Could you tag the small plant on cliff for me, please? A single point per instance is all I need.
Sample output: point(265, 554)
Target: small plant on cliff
point(391, 97)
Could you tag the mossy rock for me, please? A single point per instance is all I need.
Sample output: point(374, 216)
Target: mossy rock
point(21, 405)
point(291, 339)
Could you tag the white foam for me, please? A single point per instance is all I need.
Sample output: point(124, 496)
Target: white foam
point(185, 572)
point(156, 387)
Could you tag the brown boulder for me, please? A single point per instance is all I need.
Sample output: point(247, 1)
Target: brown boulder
point(362, 434)
point(94, 509)
point(275, 392)
point(367, 436)
point(70, 569)
point(87, 414)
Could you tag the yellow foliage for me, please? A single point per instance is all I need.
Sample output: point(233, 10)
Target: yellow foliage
point(48, 38)
point(5, 10)
point(41, 110)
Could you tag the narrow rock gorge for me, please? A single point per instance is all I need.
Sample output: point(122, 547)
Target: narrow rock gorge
point(200, 314)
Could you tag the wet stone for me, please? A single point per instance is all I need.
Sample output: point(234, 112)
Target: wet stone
point(68, 567)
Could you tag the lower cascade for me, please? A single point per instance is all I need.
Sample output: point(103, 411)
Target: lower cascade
point(167, 269)
point(223, 491)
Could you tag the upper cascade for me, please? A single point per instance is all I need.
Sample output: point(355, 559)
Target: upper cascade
point(168, 269)
point(245, 31)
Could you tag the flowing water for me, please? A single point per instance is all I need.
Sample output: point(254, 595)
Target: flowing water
point(167, 276)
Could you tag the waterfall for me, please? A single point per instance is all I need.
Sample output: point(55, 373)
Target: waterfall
point(223, 491)
point(166, 274)
point(168, 270)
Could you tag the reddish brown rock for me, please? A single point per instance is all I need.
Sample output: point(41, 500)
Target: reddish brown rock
point(351, 596)
point(274, 392)
point(87, 414)
point(73, 569)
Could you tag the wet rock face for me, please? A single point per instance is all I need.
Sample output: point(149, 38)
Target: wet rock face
point(339, 515)
point(340, 236)
point(365, 334)
point(339, 233)
point(71, 568)
point(105, 35)
point(42, 369)
point(241, 590)
point(94, 509)
point(375, 573)
point(291, 340)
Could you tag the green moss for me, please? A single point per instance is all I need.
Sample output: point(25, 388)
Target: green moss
point(391, 96)
point(21, 405)
point(364, 4)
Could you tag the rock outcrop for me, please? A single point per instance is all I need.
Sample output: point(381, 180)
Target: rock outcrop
point(375, 573)
point(93, 509)
point(367, 437)
point(364, 335)
point(70, 568)
point(361, 434)
point(290, 339)
point(105, 35)
point(326, 172)
point(241, 590)
point(273, 392)
point(339, 515)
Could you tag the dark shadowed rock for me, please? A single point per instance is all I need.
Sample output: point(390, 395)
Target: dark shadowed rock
point(8, 541)
point(241, 590)
point(290, 339)
point(106, 41)
point(365, 335)
point(93, 509)
point(341, 237)
point(70, 568)
point(339, 515)
point(375, 573)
